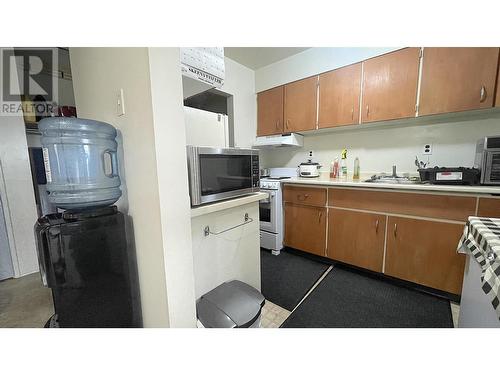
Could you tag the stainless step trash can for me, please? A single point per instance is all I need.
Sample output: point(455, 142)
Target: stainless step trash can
point(233, 304)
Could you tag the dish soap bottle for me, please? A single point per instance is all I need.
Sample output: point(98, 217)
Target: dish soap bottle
point(356, 169)
point(343, 166)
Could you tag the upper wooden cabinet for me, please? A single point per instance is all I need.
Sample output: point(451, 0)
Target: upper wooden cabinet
point(300, 105)
point(339, 93)
point(497, 93)
point(457, 79)
point(270, 111)
point(390, 85)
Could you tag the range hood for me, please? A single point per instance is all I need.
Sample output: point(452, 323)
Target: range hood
point(202, 69)
point(280, 140)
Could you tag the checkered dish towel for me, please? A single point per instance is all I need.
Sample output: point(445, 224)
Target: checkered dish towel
point(481, 238)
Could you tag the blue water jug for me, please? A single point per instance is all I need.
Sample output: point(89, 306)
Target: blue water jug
point(81, 162)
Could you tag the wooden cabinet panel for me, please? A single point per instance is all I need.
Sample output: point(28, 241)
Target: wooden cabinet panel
point(424, 252)
point(356, 238)
point(489, 207)
point(339, 92)
point(300, 105)
point(449, 207)
point(305, 195)
point(390, 85)
point(457, 79)
point(270, 111)
point(305, 228)
point(497, 93)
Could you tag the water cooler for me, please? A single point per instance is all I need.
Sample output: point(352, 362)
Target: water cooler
point(82, 250)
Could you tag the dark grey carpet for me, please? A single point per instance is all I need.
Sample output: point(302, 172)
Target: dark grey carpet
point(286, 278)
point(348, 299)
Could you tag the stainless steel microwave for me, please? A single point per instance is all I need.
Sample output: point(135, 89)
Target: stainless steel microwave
point(221, 173)
point(488, 160)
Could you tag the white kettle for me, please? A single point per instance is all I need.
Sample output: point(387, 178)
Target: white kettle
point(309, 169)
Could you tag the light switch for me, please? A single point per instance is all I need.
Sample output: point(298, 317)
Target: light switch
point(120, 103)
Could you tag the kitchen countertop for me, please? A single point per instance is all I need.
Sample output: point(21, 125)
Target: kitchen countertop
point(229, 203)
point(325, 179)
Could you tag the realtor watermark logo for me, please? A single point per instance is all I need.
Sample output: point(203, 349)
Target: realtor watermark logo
point(29, 81)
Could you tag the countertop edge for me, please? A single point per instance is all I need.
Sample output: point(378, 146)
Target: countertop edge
point(481, 189)
point(230, 203)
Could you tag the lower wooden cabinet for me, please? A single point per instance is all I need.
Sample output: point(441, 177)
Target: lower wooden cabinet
point(305, 228)
point(489, 207)
point(424, 252)
point(356, 238)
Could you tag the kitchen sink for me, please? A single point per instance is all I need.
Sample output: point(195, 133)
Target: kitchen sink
point(394, 180)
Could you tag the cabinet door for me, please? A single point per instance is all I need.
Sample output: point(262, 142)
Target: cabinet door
point(390, 85)
point(300, 105)
point(339, 92)
point(457, 79)
point(497, 93)
point(270, 111)
point(425, 252)
point(356, 238)
point(305, 228)
point(489, 207)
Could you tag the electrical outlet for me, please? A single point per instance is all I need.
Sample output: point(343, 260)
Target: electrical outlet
point(427, 149)
point(310, 153)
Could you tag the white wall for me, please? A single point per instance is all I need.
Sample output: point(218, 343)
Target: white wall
point(228, 256)
point(16, 189)
point(240, 82)
point(310, 62)
point(378, 149)
point(98, 74)
point(175, 208)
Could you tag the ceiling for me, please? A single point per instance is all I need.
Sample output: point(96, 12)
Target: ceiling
point(257, 57)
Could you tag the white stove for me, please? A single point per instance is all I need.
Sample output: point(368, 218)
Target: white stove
point(271, 209)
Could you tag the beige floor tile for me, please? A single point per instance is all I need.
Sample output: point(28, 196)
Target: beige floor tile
point(455, 312)
point(273, 315)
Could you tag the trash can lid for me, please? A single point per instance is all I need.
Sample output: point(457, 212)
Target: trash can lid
point(233, 304)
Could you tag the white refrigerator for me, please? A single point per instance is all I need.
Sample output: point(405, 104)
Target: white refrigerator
point(204, 128)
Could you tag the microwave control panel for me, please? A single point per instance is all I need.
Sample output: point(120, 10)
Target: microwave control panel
point(255, 171)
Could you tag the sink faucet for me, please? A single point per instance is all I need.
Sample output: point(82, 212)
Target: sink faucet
point(394, 173)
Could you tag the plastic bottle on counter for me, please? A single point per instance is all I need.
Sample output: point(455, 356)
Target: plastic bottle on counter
point(336, 168)
point(343, 165)
point(356, 169)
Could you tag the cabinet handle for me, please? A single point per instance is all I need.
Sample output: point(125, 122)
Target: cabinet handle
point(352, 113)
point(277, 124)
point(319, 216)
point(482, 96)
point(367, 111)
point(302, 195)
point(395, 230)
point(287, 122)
point(376, 226)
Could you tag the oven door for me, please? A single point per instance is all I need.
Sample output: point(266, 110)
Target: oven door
point(217, 174)
point(268, 209)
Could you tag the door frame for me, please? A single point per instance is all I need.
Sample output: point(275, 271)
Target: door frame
point(8, 224)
